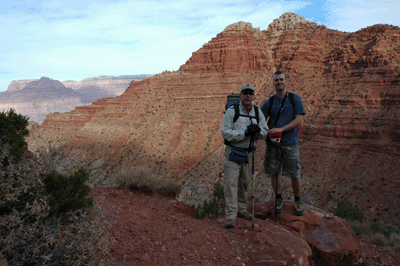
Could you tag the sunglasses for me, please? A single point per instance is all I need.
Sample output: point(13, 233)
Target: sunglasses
point(248, 93)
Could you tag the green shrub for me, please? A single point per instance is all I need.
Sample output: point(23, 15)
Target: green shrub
point(387, 230)
point(379, 233)
point(67, 193)
point(13, 130)
point(346, 210)
point(215, 207)
point(30, 235)
point(376, 228)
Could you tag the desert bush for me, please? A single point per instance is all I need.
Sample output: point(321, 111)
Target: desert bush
point(360, 228)
point(143, 180)
point(67, 192)
point(30, 235)
point(346, 210)
point(379, 239)
point(13, 130)
point(378, 233)
point(376, 228)
point(395, 239)
point(215, 207)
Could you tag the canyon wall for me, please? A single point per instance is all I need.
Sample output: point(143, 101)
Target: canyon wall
point(349, 142)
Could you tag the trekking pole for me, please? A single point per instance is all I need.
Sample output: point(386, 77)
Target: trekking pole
point(276, 177)
point(252, 149)
point(252, 173)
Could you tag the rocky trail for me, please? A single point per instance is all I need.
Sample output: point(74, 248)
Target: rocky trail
point(155, 230)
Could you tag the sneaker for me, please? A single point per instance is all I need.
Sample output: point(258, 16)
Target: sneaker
point(230, 223)
point(278, 206)
point(245, 215)
point(298, 210)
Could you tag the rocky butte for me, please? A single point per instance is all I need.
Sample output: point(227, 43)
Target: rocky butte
point(170, 123)
point(37, 98)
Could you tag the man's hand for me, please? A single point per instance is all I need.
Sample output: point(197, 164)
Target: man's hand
point(274, 130)
point(252, 129)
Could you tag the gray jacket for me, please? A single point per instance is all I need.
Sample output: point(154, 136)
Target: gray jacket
point(235, 132)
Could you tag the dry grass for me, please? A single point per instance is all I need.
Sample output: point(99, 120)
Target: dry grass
point(378, 233)
point(143, 180)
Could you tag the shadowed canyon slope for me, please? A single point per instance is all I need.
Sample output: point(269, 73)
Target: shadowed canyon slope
point(349, 142)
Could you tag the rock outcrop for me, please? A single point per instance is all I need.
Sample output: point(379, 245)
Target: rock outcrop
point(349, 142)
point(164, 232)
point(329, 239)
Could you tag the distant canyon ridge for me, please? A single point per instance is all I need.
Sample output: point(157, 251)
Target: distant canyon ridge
point(37, 98)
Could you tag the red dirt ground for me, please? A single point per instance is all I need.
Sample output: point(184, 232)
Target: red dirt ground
point(155, 230)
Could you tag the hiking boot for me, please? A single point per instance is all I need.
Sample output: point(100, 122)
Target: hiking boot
point(245, 215)
point(230, 223)
point(298, 210)
point(278, 206)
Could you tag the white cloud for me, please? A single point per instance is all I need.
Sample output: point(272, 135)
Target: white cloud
point(353, 15)
point(87, 38)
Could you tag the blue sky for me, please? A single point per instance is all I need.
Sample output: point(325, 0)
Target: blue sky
point(73, 40)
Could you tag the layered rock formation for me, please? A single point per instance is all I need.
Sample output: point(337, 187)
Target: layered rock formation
point(112, 86)
point(40, 97)
point(170, 122)
point(37, 98)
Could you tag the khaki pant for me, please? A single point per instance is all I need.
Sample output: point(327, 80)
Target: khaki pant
point(237, 180)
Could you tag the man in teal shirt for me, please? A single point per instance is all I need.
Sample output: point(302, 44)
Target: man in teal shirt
point(285, 115)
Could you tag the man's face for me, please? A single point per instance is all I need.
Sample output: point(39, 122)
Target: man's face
point(247, 97)
point(280, 82)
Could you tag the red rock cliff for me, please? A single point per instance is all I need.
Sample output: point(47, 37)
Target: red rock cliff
point(349, 83)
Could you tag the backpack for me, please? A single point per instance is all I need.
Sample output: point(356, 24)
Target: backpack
point(233, 100)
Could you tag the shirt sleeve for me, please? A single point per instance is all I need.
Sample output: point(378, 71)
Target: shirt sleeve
point(227, 130)
point(265, 108)
point(264, 127)
point(298, 105)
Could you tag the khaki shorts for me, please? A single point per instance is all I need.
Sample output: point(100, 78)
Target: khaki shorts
point(288, 159)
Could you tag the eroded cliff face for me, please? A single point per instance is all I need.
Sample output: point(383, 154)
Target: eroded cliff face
point(349, 142)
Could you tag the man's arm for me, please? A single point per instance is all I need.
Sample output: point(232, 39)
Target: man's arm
point(296, 122)
point(227, 130)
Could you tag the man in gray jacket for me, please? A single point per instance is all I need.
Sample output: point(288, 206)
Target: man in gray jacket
point(241, 135)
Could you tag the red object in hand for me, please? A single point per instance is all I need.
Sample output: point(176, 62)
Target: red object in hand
point(276, 138)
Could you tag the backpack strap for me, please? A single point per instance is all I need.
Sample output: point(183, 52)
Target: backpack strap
point(291, 98)
point(237, 114)
point(271, 101)
point(257, 115)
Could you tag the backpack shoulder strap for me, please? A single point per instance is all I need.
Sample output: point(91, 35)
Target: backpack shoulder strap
point(271, 101)
point(237, 114)
point(291, 98)
point(257, 113)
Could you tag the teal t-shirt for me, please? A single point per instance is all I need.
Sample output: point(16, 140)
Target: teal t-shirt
point(288, 114)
